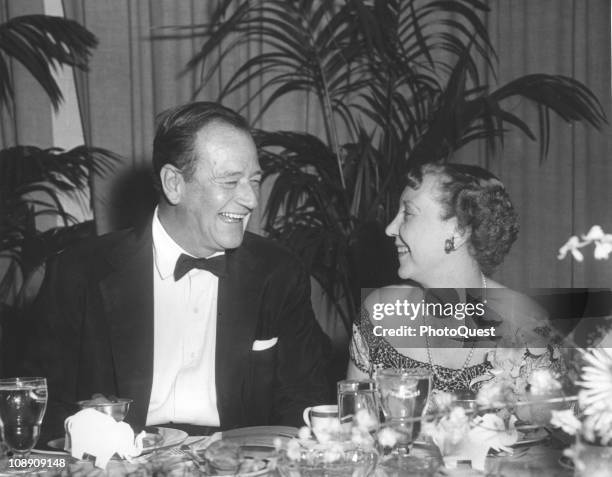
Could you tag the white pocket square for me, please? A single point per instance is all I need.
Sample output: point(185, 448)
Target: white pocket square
point(260, 345)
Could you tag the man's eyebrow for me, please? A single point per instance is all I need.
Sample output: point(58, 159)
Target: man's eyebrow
point(233, 174)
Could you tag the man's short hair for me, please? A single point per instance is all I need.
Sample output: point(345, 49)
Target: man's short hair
point(177, 129)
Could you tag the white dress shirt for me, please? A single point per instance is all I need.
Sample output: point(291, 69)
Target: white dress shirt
point(185, 328)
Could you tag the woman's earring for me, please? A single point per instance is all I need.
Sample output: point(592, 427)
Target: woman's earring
point(449, 244)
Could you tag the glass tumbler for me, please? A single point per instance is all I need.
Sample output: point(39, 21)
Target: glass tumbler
point(358, 396)
point(23, 402)
point(404, 397)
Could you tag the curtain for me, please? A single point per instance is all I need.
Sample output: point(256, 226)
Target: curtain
point(570, 190)
point(134, 76)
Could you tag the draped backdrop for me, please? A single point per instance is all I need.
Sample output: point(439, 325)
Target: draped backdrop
point(134, 76)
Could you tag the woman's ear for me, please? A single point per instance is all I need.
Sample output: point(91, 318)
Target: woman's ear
point(172, 183)
point(461, 235)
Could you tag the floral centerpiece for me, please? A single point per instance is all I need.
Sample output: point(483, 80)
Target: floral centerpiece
point(467, 434)
point(594, 400)
point(490, 420)
point(337, 449)
point(524, 381)
point(591, 423)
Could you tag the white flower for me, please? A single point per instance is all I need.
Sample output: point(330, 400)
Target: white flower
point(494, 394)
point(361, 438)
point(566, 420)
point(442, 400)
point(294, 450)
point(598, 425)
point(572, 246)
point(542, 381)
point(594, 233)
point(450, 431)
point(304, 433)
point(602, 250)
point(492, 430)
point(333, 453)
point(365, 421)
point(388, 437)
point(596, 381)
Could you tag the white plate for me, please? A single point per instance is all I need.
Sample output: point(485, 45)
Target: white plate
point(256, 442)
point(161, 438)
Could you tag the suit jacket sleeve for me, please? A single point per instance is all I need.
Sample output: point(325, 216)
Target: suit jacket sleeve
point(303, 348)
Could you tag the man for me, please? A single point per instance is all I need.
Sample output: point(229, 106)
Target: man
point(229, 343)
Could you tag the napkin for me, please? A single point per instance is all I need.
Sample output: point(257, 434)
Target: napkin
point(489, 432)
point(97, 434)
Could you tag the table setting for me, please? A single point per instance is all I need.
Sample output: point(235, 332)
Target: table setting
point(393, 424)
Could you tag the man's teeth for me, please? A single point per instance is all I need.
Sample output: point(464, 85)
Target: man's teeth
point(228, 216)
point(402, 250)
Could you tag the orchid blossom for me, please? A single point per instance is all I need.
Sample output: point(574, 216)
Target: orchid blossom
point(596, 236)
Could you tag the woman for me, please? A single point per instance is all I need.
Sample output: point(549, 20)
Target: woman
point(455, 225)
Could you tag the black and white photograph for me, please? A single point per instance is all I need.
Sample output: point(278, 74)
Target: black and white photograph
point(306, 238)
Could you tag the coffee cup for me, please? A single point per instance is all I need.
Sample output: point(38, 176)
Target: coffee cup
point(323, 417)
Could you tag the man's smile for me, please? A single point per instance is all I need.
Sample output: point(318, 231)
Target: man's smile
point(232, 218)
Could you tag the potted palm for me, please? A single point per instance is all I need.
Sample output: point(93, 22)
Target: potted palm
point(396, 84)
point(32, 179)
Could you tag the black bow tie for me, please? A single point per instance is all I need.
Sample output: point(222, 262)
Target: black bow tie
point(215, 265)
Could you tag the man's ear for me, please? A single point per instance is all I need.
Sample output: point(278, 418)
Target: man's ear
point(172, 183)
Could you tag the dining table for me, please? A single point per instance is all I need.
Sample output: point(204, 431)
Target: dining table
point(542, 459)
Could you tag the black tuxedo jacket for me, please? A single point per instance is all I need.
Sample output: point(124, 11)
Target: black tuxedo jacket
point(92, 332)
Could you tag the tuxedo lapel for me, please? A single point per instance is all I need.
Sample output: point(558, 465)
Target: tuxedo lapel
point(237, 317)
point(127, 292)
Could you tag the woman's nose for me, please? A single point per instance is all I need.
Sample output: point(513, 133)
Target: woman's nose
point(391, 229)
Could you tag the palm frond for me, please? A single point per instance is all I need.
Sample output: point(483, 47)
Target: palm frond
point(400, 75)
point(39, 42)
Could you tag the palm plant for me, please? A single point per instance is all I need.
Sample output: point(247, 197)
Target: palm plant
point(29, 174)
point(397, 85)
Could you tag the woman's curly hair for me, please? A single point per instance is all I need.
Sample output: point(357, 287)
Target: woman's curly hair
point(482, 206)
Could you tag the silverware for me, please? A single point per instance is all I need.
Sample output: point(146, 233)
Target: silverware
point(184, 450)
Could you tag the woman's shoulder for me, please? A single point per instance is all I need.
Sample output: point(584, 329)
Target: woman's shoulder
point(523, 321)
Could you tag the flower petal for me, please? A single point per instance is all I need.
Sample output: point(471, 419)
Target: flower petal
point(595, 233)
point(577, 254)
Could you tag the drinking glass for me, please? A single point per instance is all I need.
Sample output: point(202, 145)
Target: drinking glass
point(22, 406)
point(404, 397)
point(355, 396)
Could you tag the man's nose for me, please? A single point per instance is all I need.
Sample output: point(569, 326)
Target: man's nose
point(248, 195)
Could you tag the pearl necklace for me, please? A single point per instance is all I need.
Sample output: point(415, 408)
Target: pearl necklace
point(457, 372)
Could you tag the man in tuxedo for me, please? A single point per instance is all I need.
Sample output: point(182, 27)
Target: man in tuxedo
point(199, 322)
